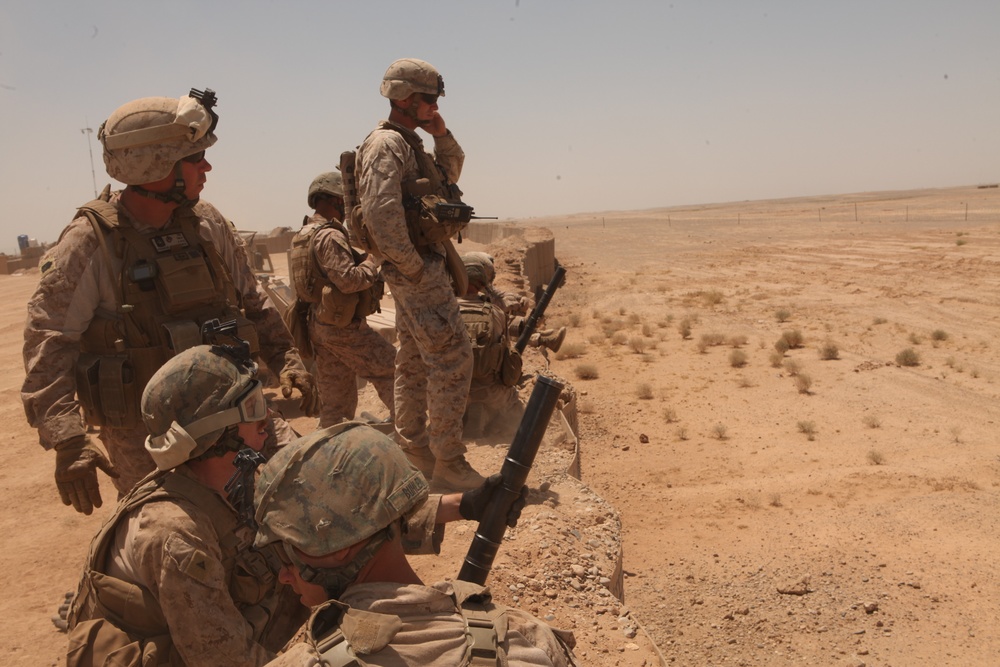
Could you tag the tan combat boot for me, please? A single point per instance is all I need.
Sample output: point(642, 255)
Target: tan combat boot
point(552, 339)
point(422, 459)
point(455, 475)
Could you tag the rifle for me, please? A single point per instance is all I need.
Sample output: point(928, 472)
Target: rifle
point(514, 473)
point(558, 278)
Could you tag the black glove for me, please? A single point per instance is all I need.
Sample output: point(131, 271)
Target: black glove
point(77, 461)
point(474, 503)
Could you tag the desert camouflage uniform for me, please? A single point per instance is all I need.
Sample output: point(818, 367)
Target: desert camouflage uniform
point(433, 629)
point(76, 286)
point(345, 352)
point(491, 403)
point(434, 359)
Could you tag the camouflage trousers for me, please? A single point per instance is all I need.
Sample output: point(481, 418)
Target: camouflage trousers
point(342, 354)
point(492, 409)
point(433, 363)
point(127, 451)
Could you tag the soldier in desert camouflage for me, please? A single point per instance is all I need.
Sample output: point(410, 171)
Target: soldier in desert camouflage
point(336, 289)
point(128, 285)
point(434, 360)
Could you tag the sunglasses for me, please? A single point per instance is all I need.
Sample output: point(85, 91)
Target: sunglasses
point(428, 98)
point(194, 158)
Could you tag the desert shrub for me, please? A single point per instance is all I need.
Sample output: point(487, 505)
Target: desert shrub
point(644, 391)
point(719, 431)
point(638, 344)
point(829, 351)
point(792, 367)
point(682, 433)
point(647, 330)
point(915, 339)
point(908, 357)
point(684, 328)
point(808, 428)
point(669, 415)
point(739, 340)
point(743, 382)
point(803, 383)
point(879, 320)
point(737, 358)
point(619, 338)
point(781, 345)
point(871, 421)
point(774, 500)
point(647, 358)
point(702, 346)
point(596, 338)
point(782, 315)
point(634, 319)
point(574, 319)
point(939, 335)
point(571, 351)
point(875, 457)
point(793, 337)
point(586, 372)
point(587, 407)
point(714, 339)
point(622, 310)
point(961, 241)
point(776, 358)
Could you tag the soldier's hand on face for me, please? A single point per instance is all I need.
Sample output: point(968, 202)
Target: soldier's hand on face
point(77, 461)
point(294, 376)
point(474, 503)
point(435, 126)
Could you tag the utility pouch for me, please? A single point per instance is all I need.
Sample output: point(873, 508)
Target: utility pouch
point(370, 300)
point(336, 308)
point(109, 387)
point(184, 281)
point(510, 367)
point(182, 335)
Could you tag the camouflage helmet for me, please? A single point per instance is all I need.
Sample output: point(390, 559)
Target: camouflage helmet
point(145, 138)
point(409, 75)
point(188, 404)
point(479, 266)
point(328, 183)
point(330, 490)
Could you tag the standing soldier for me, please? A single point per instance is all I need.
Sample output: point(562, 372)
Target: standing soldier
point(128, 285)
point(397, 185)
point(336, 289)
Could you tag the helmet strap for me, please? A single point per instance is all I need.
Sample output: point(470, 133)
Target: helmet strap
point(335, 580)
point(176, 193)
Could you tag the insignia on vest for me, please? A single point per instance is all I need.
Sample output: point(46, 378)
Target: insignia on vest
point(47, 266)
point(167, 242)
point(196, 566)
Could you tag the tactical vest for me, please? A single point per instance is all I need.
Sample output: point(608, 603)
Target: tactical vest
point(432, 204)
point(312, 285)
point(171, 282)
point(492, 355)
point(486, 629)
point(114, 616)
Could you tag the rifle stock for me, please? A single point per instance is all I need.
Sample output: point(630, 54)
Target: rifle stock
point(536, 313)
point(515, 469)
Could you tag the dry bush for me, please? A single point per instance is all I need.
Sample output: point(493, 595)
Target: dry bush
point(961, 241)
point(782, 315)
point(644, 391)
point(719, 431)
point(908, 357)
point(879, 320)
point(829, 351)
point(647, 358)
point(915, 339)
point(622, 310)
point(743, 382)
point(587, 407)
point(808, 428)
point(781, 345)
point(596, 339)
point(737, 358)
point(803, 383)
point(712, 297)
point(875, 457)
point(793, 337)
point(634, 319)
point(792, 367)
point(638, 344)
point(776, 358)
point(586, 372)
point(647, 330)
point(684, 328)
point(574, 319)
point(619, 338)
point(738, 340)
point(669, 415)
point(871, 421)
point(774, 500)
point(571, 351)
point(714, 339)
point(939, 335)
point(682, 433)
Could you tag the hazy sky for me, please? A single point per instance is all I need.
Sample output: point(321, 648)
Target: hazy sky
point(562, 106)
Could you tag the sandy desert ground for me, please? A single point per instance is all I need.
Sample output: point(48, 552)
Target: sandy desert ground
point(825, 505)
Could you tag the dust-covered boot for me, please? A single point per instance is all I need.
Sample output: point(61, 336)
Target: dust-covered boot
point(422, 459)
point(455, 475)
point(552, 339)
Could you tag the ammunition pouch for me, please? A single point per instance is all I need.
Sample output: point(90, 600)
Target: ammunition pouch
point(185, 281)
point(510, 367)
point(336, 308)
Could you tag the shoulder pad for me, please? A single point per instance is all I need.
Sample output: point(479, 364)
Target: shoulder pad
point(101, 210)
